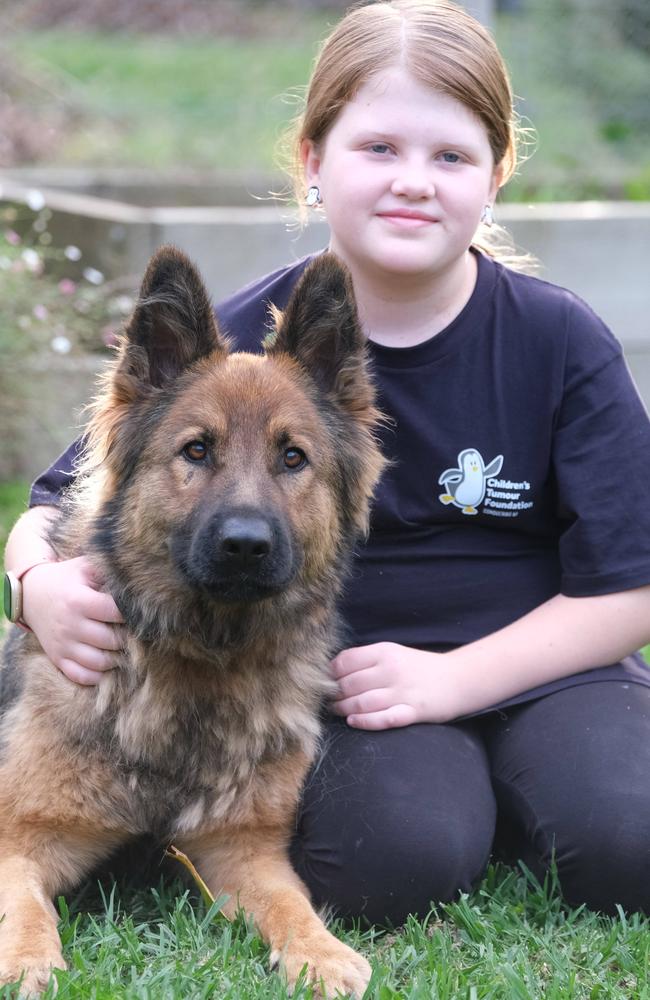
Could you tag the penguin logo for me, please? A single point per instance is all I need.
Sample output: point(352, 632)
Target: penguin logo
point(465, 485)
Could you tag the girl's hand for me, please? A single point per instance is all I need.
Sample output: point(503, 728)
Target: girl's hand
point(386, 685)
point(76, 623)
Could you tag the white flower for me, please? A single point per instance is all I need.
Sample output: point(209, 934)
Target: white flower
point(32, 260)
point(60, 344)
point(72, 253)
point(124, 304)
point(35, 200)
point(92, 275)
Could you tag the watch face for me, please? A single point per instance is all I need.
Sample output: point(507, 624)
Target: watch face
point(11, 596)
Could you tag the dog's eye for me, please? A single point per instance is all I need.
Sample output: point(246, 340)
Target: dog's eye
point(294, 458)
point(195, 451)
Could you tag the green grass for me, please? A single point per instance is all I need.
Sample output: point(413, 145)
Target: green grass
point(510, 940)
point(161, 102)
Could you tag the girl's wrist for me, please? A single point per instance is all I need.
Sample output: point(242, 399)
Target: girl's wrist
point(14, 583)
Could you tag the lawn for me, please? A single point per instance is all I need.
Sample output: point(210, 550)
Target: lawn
point(510, 940)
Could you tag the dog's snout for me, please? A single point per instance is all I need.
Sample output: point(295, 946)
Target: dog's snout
point(245, 540)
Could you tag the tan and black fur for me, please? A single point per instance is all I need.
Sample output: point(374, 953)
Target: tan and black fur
point(221, 499)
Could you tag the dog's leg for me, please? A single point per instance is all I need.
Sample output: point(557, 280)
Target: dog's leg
point(251, 866)
point(33, 868)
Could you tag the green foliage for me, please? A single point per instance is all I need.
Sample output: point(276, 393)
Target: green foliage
point(584, 87)
point(13, 501)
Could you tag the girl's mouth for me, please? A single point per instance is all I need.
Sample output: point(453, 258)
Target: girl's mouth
point(407, 219)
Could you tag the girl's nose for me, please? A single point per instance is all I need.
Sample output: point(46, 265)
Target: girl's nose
point(414, 182)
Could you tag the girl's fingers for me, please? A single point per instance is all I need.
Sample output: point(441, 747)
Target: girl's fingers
point(92, 659)
point(80, 675)
point(356, 658)
point(359, 681)
point(389, 718)
point(370, 701)
point(101, 607)
point(102, 636)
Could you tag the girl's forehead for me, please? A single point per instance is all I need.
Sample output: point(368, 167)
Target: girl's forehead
point(394, 98)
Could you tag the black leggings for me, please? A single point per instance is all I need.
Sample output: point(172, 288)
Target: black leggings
point(393, 821)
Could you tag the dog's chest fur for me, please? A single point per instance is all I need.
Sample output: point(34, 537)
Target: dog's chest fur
point(190, 757)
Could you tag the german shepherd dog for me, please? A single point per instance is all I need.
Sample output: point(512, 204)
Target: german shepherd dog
point(221, 498)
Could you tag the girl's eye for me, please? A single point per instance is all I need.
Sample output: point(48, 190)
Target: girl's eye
point(451, 157)
point(379, 147)
point(294, 459)
point(195, 451)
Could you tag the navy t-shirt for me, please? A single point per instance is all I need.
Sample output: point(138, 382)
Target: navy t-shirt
point(520, 467)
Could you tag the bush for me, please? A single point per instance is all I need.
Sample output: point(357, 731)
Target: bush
point(52, 301)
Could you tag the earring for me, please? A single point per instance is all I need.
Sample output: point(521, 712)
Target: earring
point(487, 216)
point(313, 198)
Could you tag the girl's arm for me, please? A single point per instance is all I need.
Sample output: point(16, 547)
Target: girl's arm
point(75, 622)
point(386, 685)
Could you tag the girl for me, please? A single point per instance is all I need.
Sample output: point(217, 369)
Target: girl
point(490, 698)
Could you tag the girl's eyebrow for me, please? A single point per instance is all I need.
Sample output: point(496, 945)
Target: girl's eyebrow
point(364, 134)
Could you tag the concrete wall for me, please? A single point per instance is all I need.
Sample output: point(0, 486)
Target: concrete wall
point(599, 250)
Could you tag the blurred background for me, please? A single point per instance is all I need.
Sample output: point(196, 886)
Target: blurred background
point(208, 84)
point(129, 123)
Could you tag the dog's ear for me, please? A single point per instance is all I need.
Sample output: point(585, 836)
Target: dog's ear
point(320, 328)
point(173, 324)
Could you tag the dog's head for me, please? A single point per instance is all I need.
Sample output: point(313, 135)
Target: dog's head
point(233, 477)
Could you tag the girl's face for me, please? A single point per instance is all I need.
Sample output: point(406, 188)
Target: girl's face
point(404, 174)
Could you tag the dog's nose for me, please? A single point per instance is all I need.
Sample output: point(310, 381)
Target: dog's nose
point(245, 540)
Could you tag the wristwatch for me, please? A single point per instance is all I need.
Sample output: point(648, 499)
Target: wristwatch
point(13, 592)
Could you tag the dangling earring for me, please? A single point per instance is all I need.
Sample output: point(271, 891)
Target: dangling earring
point(313, 197)
point(487, 216)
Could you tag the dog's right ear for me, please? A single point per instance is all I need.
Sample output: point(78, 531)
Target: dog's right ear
point(173, 324)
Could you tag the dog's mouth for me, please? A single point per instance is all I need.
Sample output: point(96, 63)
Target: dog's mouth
point(243, 589)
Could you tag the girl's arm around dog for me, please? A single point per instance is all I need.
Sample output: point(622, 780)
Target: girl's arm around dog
point(385, 685)
point(72, 618)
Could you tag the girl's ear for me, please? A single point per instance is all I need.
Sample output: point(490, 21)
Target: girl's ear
point(311, 160)
point(497, 181)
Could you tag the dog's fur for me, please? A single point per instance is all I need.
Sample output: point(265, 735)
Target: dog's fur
point(221, 498)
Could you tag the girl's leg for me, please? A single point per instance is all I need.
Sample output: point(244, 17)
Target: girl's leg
point(571, 776)
point(391, 821)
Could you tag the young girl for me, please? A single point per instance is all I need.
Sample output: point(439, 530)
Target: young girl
point(490, 698)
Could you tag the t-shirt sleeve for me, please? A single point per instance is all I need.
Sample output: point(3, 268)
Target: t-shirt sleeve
point(48, 488)
point(602, 465)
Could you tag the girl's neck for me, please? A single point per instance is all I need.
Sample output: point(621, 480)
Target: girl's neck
point(408, 311)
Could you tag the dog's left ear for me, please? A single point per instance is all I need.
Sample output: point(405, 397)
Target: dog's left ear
point(173, 324)
point(320, 328)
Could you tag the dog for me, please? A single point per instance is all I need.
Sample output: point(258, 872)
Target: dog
point(220, 497)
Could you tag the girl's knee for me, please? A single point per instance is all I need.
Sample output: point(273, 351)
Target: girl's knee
point(603, 856)
point(385, 875)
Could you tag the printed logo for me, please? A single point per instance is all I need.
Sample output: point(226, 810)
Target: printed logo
point(473, 483)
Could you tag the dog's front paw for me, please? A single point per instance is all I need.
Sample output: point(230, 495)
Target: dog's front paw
point(31, 971)
point(333, 968)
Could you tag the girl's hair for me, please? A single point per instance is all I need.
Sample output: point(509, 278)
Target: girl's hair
point(442, 45)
